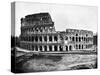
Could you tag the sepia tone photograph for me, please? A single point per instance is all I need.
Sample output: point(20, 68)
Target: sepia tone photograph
point(53, 37)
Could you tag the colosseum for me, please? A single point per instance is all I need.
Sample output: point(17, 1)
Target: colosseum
point(38, 34)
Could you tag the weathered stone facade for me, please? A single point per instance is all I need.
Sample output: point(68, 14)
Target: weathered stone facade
point(38, 34)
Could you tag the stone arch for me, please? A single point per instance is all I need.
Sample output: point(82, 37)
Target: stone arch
point(86, 46)
point(36, 48)
point(76, 39)
point(82, 38)
point(79, 46)
point(45, 48)
point(32, 38)
point(36, 38)
point(60, 48)
point(66, 48)
point(55, 48)
point(33, 47)
point(82, 46)
point(66, 38)
point(70, 47)
point(73, 38)
point(76, 34)
point(50, 48)
point(36, 29)
point(40, 38)
point(40, 48)
point(55, 38)
point(76, 46)
point(45, 38)
point(79, 39)
point(50, 38)
point(41, 29)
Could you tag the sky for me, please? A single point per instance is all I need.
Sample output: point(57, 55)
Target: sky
point(64, 16)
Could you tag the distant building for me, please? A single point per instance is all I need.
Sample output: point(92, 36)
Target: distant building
point(38, 34)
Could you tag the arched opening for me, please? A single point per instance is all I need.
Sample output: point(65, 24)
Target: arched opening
point(41, 29)
point(45, 38)
point(36, 29)
point(45, 48)
point(82, 46)
point(79, 46)
point(79, 39)
point(76, 46)
point(76, 39)
point(32, 38)
point(55, 48)
point(50, 48)
point(66, 48)
point(60, 48)
point(36, 38)
point(66, 38)
point(76, 34)
point(32, 47)
point(55, 38)
point(40, 48)
point(70, 48)
point(73, 39)
point(84, 39)
point(36, 48)
point(50, 38)
point(40, 38)
point(86, 35)
point(88, 39)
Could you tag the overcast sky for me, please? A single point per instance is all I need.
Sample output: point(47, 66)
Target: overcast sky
point(64, 16)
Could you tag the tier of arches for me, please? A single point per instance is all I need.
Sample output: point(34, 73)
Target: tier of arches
point(46, 47)
point(82, 46)
point(79, 38)
point(45, 38)
point(41, 29)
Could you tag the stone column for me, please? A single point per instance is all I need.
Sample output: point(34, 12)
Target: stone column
point(47, 48)
point(67, 48)
point(58, 47)
point(52, 38)
point(42, 38)
point(75, 39)
point(57, 38)
point(30, 47)
point(82, 46)
point(34, 39)
point(42, 48)
point(47, 39)
point(52, 47)
point(64, 48)
point(37, 48)
point(77, 46)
